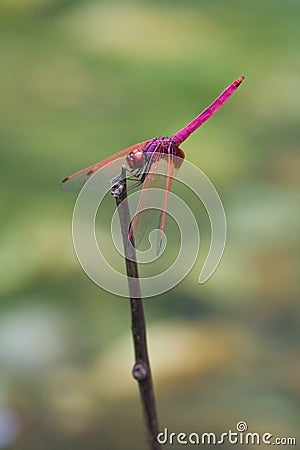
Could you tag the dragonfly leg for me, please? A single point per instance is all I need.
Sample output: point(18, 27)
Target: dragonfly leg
point(137, 175)
point(117, 185)
point(139, 182)
point(142, 176)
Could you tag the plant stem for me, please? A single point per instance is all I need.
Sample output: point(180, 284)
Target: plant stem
point(141, 370)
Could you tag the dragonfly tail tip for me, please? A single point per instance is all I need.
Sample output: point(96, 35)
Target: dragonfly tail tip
point(238, 81)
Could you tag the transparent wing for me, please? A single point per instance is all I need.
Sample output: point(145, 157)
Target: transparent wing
point(78, 179)
point(161, 172)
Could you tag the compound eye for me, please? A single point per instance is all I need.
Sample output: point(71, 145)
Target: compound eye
point(136, 159)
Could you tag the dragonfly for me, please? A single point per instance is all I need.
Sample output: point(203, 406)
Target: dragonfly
point(144, 167)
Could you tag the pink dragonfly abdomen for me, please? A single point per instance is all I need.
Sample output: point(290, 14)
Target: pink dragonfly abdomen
point(185, 132)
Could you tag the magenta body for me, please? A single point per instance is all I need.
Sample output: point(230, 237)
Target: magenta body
point(139, 156)
point(185, 132)
point(164, 146)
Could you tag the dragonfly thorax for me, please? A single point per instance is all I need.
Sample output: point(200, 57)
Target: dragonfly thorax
point(162, 142)
point(161, 145)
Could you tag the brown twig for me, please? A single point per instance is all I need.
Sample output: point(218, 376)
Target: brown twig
point(141, 370)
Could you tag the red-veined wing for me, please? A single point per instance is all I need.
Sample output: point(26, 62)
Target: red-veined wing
point(161, 175)
point(78, 179)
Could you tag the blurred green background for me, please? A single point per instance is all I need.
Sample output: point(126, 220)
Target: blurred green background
point(80, 80)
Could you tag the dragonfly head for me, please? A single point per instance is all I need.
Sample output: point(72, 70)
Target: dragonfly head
point(136, 159)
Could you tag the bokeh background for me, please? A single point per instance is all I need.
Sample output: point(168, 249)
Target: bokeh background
point(80, 80)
